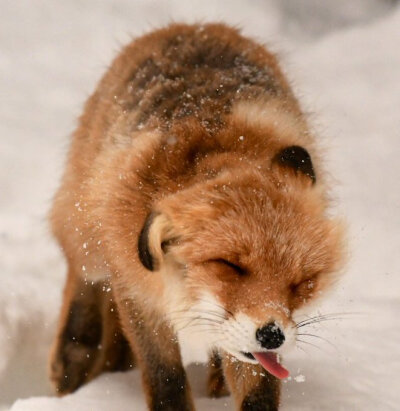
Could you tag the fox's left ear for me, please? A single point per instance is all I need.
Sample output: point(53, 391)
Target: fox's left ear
point(297, 159)
point(153, 240)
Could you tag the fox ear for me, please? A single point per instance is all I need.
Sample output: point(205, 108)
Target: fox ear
point(298, 159)
point(152, 241)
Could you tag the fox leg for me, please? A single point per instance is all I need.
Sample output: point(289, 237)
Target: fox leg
point(158, 354)
point(89, 339)
point(253, 388)
point(216, 385)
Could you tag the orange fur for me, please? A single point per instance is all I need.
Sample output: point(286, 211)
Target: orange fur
point(187, 124)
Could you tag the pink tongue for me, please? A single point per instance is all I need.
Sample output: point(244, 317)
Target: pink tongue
point(269, 360)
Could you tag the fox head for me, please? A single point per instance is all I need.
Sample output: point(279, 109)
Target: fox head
point(242, 252)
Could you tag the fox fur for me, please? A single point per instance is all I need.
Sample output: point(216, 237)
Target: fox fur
point(193, 196)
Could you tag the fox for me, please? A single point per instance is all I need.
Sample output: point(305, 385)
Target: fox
point(193, 201)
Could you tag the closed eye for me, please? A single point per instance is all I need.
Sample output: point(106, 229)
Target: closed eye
point(239, 270)
point(304, 289)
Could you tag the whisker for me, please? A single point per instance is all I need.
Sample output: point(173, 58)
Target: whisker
point(196, 314)
point(213, 330)
point(308, 343)
point(191, 310)
point(185, 325)
point(218, 306)
point(211, 326)
point(313, 345)
point(320, 321)
point(195, 321)
point(320, 338)
point(210, 320)
point(302, 349)
point(323, 316)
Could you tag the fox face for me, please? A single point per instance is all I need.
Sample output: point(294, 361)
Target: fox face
point(241, 253)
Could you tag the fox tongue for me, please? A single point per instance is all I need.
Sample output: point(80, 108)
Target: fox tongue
point(269, 360)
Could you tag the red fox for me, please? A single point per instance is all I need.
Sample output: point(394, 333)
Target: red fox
point(193, 198)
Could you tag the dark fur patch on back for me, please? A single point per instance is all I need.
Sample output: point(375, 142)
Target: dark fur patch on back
point(196, 74)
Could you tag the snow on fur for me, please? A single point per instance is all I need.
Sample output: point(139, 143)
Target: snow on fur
point(346, 70)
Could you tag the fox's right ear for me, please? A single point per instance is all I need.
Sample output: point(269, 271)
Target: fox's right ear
point(153, 239)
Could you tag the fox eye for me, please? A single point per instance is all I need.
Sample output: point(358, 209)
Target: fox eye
point(239, 270)
point(303, 291)
point(304, 286)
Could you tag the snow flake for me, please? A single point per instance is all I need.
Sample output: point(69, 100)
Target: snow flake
point(300, 378)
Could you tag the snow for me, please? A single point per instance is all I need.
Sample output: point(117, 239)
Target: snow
point(343, 58)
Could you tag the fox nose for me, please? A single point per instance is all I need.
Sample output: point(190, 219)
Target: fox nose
point(270, 336)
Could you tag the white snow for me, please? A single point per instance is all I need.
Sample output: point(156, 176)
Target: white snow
point(343, 58)
point(300, 378)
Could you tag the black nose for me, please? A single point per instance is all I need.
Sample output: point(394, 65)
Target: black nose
point(270, 336)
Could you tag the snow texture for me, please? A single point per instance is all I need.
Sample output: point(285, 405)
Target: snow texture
point(344, 61)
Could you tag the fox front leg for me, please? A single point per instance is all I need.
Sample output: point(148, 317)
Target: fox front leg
point(253, 388)
point(158, 354)
point(89, 339)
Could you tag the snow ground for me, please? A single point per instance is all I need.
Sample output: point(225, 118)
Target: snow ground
point(344, 61)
